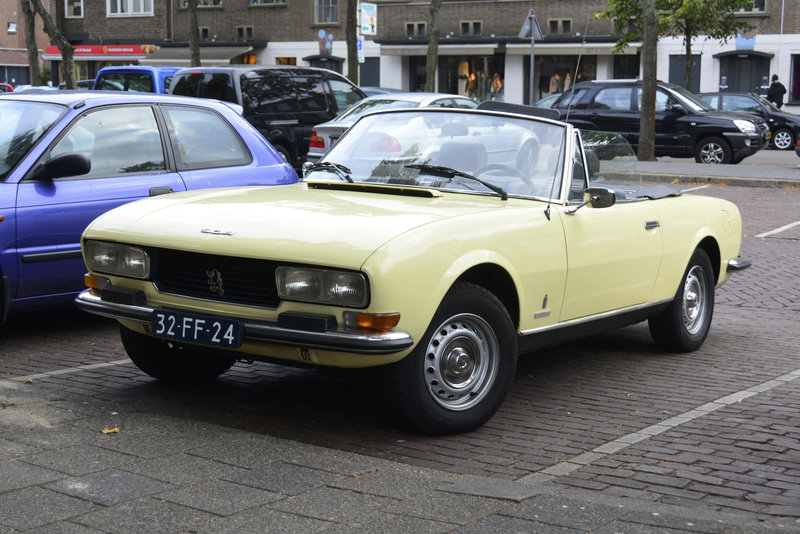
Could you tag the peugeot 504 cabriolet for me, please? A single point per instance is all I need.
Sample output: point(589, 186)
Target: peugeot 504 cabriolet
point(438, 243)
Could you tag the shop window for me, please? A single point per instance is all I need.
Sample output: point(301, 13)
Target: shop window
point(73, 9)
point(471, 27)
point(286, 61)
point(416, 29)
point(129, 8)
point(326, 11)
point(244, 33)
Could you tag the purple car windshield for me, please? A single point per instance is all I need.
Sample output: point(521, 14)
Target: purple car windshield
point(24, 123)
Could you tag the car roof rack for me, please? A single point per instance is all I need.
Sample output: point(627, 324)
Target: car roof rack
point(545, 113)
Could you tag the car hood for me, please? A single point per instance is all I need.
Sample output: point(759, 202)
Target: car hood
point(734, 115)
point(339, 225)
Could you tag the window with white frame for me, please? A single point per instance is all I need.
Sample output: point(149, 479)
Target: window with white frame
point(12, 28)
point(129, 8)
point(326, 11)
point(73, 9)
point(266, 2)
point(759, 6)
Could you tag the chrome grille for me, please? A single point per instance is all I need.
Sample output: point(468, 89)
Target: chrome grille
point(221, 278)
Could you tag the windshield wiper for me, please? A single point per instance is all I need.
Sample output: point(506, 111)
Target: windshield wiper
point(342, 171)
point(447, 172)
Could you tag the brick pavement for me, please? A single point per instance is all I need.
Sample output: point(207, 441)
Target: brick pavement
point(565, 401)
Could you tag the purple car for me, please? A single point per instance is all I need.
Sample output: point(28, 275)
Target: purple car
point(66, 157)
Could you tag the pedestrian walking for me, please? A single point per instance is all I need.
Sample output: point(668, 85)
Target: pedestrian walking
point(776, 91)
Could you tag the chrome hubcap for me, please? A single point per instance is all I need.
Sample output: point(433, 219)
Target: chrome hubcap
point(461, 362)
point(783, 140)
point(695, 300)
point(712, 153)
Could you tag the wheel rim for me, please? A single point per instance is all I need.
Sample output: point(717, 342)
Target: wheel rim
point(783, 140)
point(461, 362)
point(695, 300)
point(712, 153)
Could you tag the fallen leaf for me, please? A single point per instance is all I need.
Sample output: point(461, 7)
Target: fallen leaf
point(108, 430)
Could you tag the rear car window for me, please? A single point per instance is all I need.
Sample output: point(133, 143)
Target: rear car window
point(268, 93)
point(194, 148)
point(216, 85)
point(139, 82)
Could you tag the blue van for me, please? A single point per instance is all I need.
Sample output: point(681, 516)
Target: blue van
point(137, 78)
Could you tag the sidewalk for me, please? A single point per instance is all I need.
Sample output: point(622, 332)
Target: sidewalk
point(76, 464)
point(687, 171)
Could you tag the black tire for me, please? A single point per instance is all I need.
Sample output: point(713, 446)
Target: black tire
point(783, 139)
point(684, 325)
point(713, 150)
point(285, 153)
point(174, 362)
point(459, 373)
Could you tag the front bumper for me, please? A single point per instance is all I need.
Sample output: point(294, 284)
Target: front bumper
point(744, 145)
point(340, 340)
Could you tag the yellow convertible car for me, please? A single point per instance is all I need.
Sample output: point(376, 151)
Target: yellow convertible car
point(437, 243)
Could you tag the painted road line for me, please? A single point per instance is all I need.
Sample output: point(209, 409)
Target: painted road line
point(779, 230)
point(69, 370)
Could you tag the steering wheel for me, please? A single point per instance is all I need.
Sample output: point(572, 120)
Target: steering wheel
point(508, 169)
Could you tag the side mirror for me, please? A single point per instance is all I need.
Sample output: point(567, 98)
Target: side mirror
point(69, 164)
point(600, 197)
point(677, 108)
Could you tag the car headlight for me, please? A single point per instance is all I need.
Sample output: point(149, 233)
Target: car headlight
point(117, 259)
point(322, 286)
point(745, 126)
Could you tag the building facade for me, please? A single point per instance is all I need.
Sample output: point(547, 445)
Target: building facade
point(14, 69)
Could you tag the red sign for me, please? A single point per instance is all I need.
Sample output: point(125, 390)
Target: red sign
point(105, 50)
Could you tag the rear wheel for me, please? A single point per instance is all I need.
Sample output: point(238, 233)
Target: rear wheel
point(783, 139)
point(684, 325)
point(460, 372)
point(166, 360)
point(713, 150)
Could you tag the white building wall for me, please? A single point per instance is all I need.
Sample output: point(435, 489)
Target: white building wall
point(301, 49)
point(392, 73)
point(514, 82)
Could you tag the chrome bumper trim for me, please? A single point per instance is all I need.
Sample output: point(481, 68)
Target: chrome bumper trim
point(348, 340)
point(738, 264)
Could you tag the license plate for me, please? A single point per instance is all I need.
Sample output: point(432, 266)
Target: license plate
point(769, 134)
point(206, 330)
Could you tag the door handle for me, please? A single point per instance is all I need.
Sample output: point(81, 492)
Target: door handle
point(651, 225)
point(155, 191)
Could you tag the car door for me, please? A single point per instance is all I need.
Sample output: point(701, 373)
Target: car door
point(672, 126)
point(128, 157)
point(612, 110)
point(613, 253)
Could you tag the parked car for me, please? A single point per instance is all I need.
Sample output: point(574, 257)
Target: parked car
point(784, 127)
point(326, 134)
point(685, 125)
point(547, 101)
point(66, 157)
point(79, 84)
point(283, 103)
point(441, 243)
point(6, 88)
point(372, 91)
point(136, 78)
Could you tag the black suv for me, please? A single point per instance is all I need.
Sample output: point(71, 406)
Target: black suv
point(785, 127)
point(685, 125)
point(283, 103)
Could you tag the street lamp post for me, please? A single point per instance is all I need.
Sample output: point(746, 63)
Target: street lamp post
point(530, 29)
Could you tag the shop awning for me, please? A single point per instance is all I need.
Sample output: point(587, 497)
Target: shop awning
point(181, 56)
point(570, 49)
point(100, 52)
point(744, 53)
point(486, 49)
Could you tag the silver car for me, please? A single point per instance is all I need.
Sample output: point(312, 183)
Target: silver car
point(326, 134)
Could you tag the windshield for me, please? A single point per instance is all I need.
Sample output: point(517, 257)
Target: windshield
point(24, 123)
point(421, 147)
point(694, 103)
point(764, 102)
point(365, 106)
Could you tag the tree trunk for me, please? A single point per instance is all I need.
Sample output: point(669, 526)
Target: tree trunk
point(647, 120)
point(194, 35)
point(687, 36)
point(30, 42)
point(352, 41)
point(63, 45)
point(433, 47)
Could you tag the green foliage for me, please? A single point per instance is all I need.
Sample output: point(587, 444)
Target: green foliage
point(44, 76)
point(685, 18)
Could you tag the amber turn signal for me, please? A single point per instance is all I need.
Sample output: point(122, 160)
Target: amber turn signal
point(372, 321)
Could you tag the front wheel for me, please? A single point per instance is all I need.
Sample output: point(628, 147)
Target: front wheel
point(684, 325)
point(174, 362)
point(713, 150)
point(459, 373)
